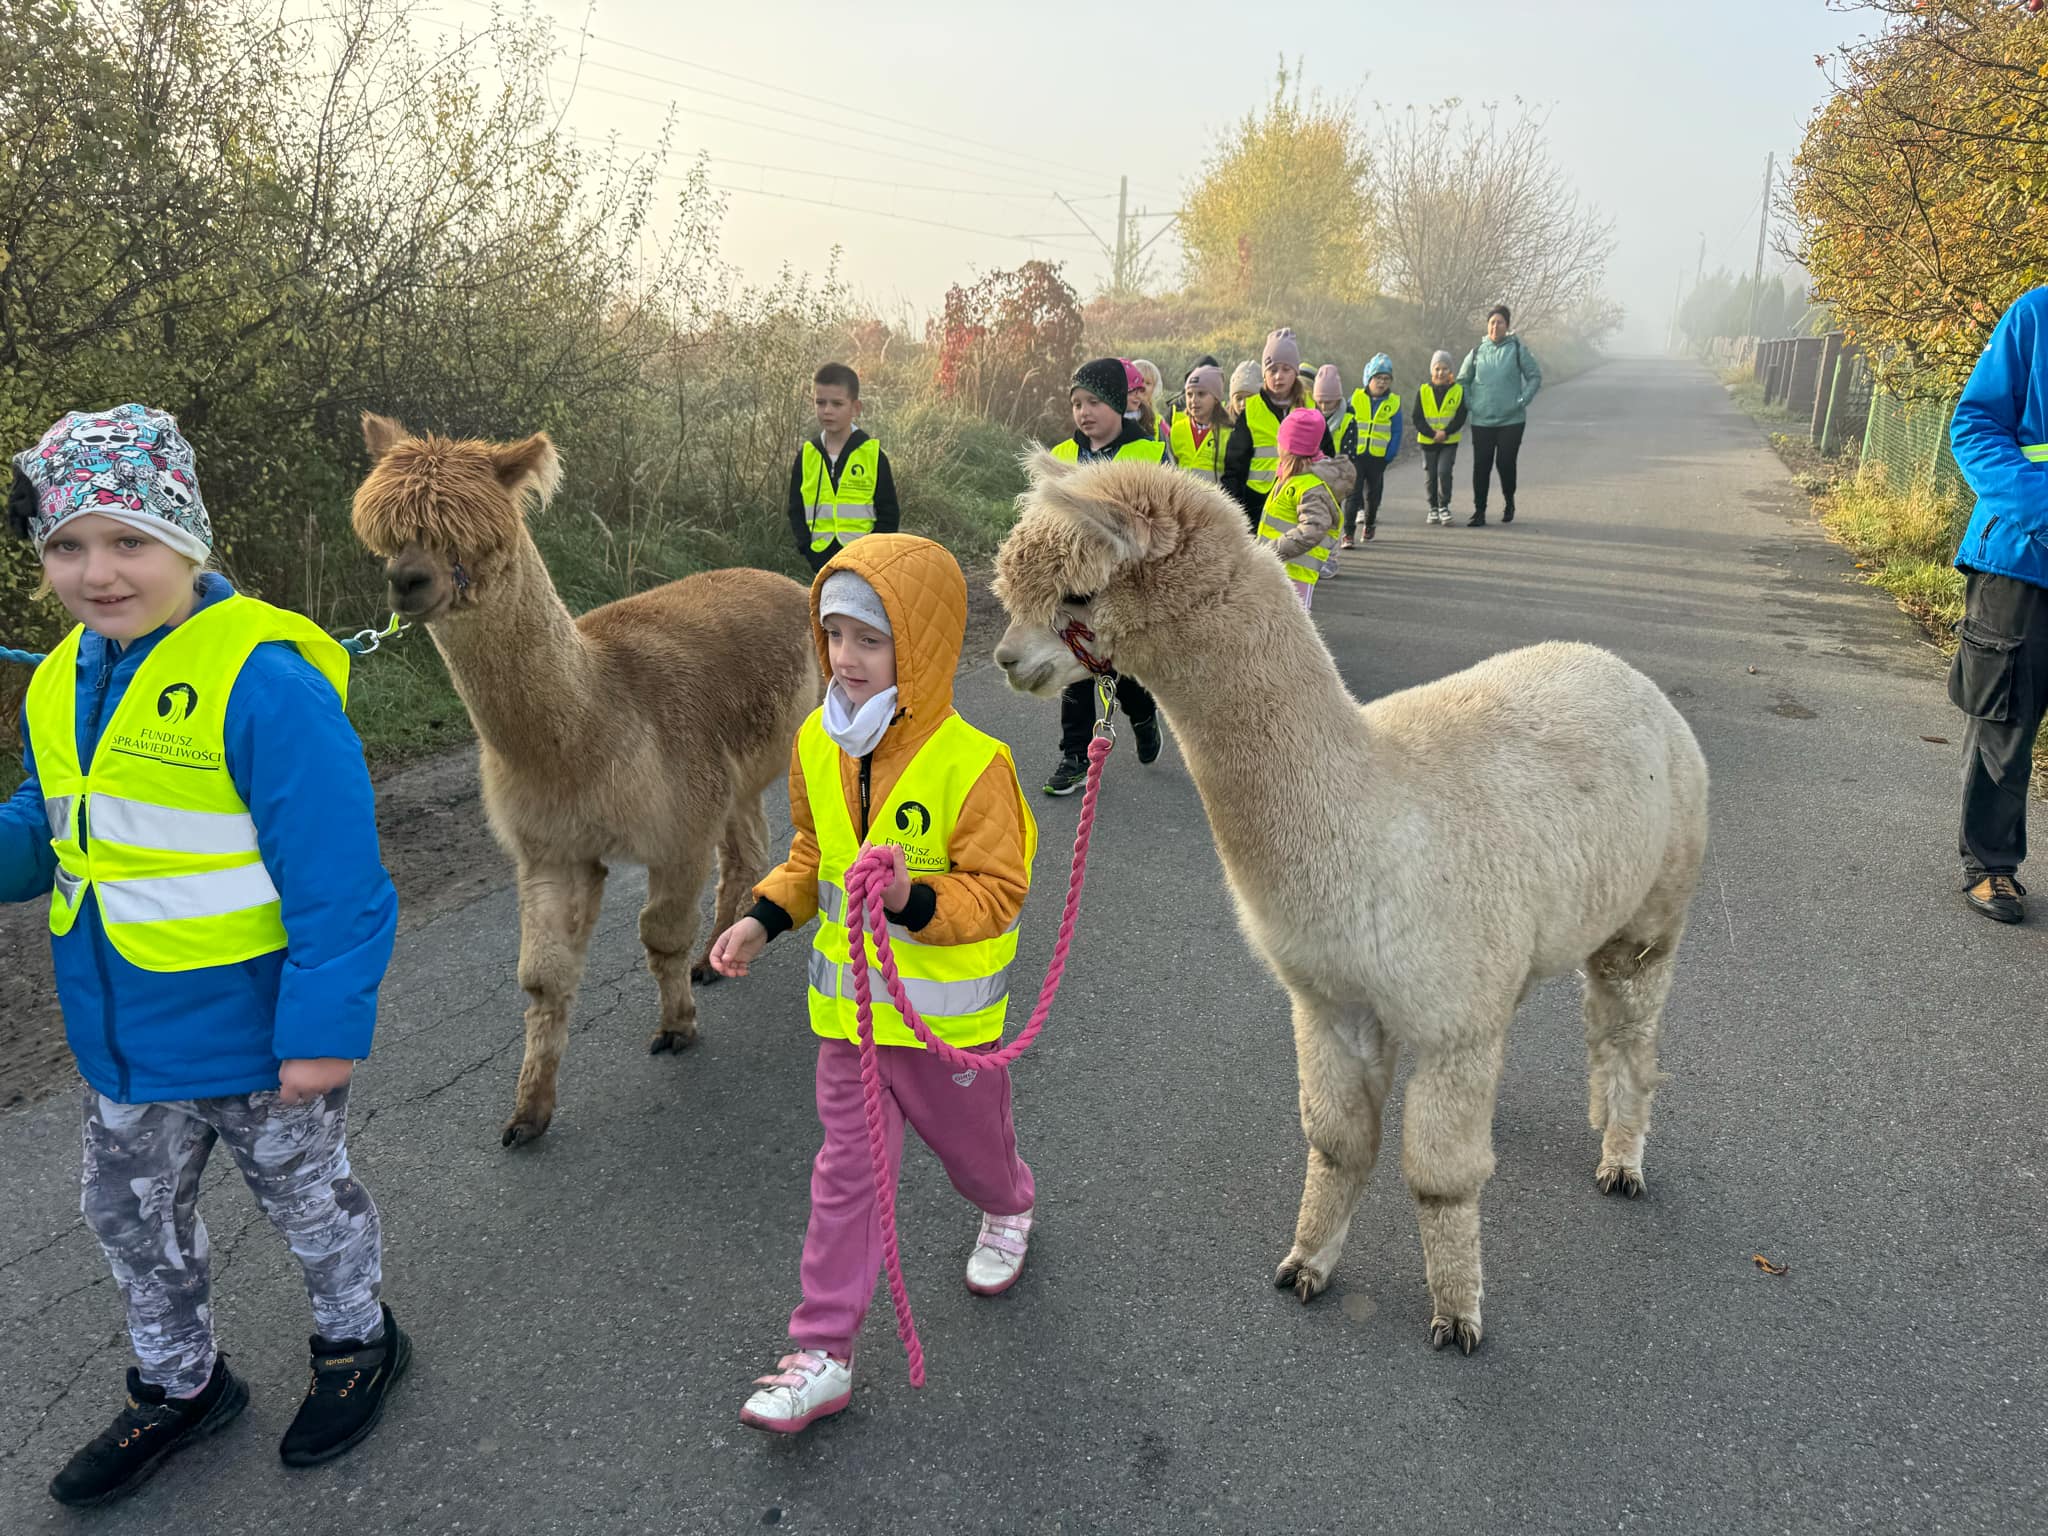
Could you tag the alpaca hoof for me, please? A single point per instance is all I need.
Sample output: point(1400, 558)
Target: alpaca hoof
point(1301, 1277)
point(1614, 1177)
point(701, 974)
point(521, 1129)
point(671, 1040)
point(1465, 1330)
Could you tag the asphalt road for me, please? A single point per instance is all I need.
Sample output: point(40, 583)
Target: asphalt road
point(1858, 1083)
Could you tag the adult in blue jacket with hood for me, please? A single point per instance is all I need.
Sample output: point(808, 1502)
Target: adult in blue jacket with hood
point(2000, 677)
point(197, 810)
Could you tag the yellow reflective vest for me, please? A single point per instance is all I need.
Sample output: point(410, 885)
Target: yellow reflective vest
point(1279, 517)
point(1264, 426)
point(1375, 421)
point(1204, 459)
point(154, 827)
point(1436, 413)
point(961, 991)
point(839, 514)
point(1143, 451)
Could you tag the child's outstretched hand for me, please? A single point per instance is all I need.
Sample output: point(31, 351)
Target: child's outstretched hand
point(738, 946)
point(897, 892)
point(311, 1077)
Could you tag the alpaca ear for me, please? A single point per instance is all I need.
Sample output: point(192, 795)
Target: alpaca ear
point(1113, 528)
point(381, 434)
point(531, 463)
point(1039, 466)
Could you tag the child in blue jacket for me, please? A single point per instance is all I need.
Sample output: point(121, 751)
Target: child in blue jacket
point(198, 812)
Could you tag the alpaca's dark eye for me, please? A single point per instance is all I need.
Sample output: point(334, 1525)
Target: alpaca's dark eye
point(1078, 599)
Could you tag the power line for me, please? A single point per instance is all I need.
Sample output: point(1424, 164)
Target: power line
point(836, 176)
point(860, 113)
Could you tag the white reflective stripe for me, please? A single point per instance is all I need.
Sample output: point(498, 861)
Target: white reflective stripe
point(69, 885)
point(59, 812)
point(213, 894)
point(2037, 452)
point(138, 824)
point(931, 999)
point(831, 902)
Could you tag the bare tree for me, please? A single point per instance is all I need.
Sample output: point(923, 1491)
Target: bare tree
point(1471, 212)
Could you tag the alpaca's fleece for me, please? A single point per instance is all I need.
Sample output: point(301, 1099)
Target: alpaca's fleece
point(1408, 869)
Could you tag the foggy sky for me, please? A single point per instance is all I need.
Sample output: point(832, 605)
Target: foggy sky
point(975, 115)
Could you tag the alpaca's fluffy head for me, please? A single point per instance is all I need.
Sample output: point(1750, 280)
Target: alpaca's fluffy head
point(446, 513)
point(1113, 556)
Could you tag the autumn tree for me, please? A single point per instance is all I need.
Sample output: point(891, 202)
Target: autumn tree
point(1279, 211)
point(1921, 188)
point(1007, 344)
point(1472, 211)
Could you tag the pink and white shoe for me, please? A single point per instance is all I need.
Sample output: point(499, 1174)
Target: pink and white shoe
point(809, 1385)
point(998, 1256)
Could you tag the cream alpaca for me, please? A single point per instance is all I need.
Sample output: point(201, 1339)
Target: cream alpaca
point(1543, 811)
point(645, 730)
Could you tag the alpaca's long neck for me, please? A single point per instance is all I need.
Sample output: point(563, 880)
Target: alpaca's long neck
point(1272, 738)
point(520, 663)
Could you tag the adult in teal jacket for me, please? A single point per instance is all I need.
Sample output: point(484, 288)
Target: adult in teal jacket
point(2000, 676)
point(1500, 378)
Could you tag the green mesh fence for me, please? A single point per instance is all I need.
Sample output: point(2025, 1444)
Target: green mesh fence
point(1910, 438)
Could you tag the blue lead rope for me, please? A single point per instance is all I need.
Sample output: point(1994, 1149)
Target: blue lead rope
point(361, 643)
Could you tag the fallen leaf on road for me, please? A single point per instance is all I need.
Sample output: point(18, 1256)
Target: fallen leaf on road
point(1752, 671)
point(1939, 741)
point(1768, 1267)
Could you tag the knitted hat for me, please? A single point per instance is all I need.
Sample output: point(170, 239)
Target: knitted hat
point(1301, 434)
point(1103, 377)
point(1207, 376)
point(1329, 383)
point(1133, 380)
point(1381, 363)
point(847, 592)
point(130, 464)
point(1244, 378)
point(1281, 350)
point(1441, 356)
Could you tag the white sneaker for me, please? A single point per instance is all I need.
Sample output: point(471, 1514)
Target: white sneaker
point(808, 1385)
point(998, 1255)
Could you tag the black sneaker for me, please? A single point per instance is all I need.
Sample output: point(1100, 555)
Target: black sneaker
point(345, 1397)
point(1068, 776)
point(124, 1455)
point(1507, 514)
point(1146, 732)
point(1476, 520)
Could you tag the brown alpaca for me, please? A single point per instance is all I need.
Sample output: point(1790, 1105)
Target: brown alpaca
point(646, 730)
point(1408, 869)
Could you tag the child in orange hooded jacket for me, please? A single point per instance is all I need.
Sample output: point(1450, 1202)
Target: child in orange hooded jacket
point(888, 761)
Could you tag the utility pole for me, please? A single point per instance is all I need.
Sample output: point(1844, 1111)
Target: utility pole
point(1120, 272)
point(1671, 333)
point(1763, 223)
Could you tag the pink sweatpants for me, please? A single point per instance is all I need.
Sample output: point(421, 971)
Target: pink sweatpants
point(963, 1116)
point(1306, 591)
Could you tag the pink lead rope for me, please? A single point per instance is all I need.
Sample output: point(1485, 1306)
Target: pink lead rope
point(864, 885)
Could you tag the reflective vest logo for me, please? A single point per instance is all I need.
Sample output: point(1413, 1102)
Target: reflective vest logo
point(174, 706)
point(903, 814)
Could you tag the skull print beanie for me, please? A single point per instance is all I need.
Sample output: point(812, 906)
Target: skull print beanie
point(130, 464)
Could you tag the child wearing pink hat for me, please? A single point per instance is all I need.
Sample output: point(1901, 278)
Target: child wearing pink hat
point(1299, 517)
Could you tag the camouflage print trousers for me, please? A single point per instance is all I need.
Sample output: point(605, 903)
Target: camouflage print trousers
point(141, 1199)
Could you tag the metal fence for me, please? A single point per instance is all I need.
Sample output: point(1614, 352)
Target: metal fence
point(1826, 381)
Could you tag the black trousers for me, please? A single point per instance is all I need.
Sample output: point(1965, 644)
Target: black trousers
point(1366, 493)
point(2000, 680)
point(1439, 460)
point(1491, 445)
point(1077, 711)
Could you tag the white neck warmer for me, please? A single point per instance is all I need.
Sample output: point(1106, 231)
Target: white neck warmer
point(858, 731)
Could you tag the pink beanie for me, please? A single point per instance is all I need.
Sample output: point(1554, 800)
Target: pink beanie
point(1132, 378)
point(1301, 434)
point(1329, 381)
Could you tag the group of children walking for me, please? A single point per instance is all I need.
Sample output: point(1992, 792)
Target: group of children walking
point(197, 811)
